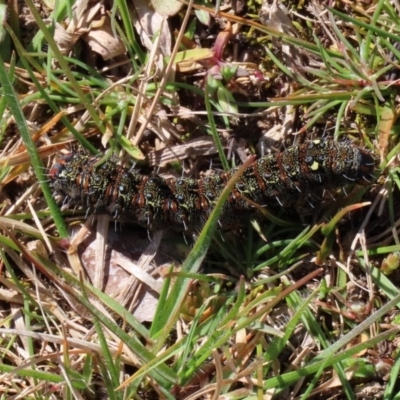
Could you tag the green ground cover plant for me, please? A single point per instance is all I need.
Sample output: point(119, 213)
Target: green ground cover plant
point(298, 302)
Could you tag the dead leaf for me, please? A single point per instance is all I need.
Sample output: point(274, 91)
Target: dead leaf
point(103, 42)
point(387, 119)
point(151, 24)
point(93, 24)
point(128, 275)
point(200, 146)
point(167, 7)
point(276, 16)
point(68, 34)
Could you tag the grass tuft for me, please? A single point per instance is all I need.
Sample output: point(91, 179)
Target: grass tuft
point(301, 302)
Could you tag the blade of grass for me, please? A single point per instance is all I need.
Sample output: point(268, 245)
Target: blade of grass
point(112, 366)
point(367, 26)
point(40, 376)
point(48, 98)
point(162, 374)
point(31, 148)
point(309, 319)
point(292, 377)
point(291, 248)
point(390, 391)
point(213, 128)
point(122, 7)
point(86, 100)
point(168, 317)
point(364, 325)
point(377, 13)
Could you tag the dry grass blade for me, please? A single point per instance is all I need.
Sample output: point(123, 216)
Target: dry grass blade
point(290, 290)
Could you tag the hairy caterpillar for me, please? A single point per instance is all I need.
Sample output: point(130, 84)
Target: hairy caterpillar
point(185, 203)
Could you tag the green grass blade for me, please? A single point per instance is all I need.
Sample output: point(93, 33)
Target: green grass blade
point(192, 264)
point(37, 165)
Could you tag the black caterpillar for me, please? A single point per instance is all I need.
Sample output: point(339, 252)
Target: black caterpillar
point(185, 204)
